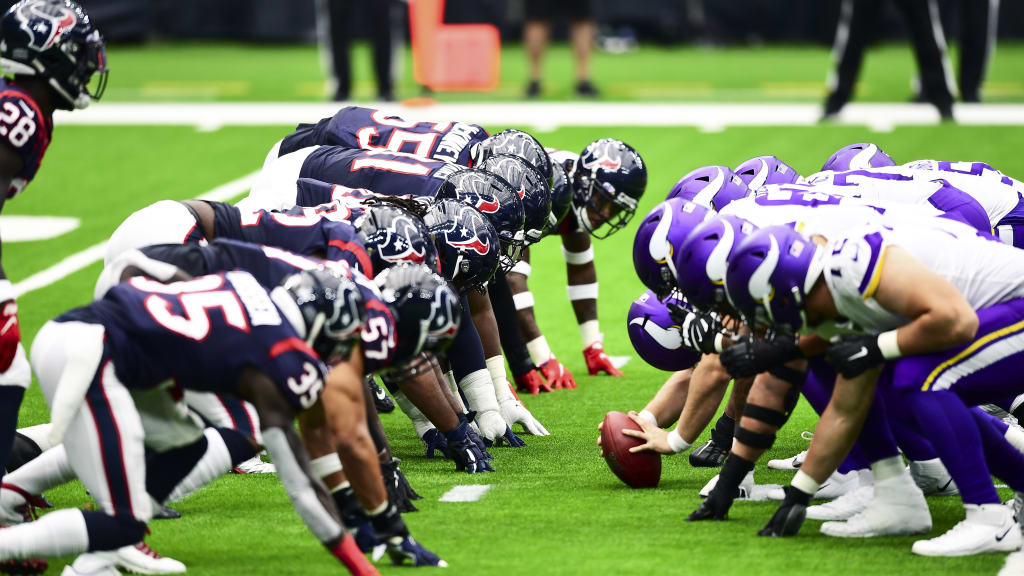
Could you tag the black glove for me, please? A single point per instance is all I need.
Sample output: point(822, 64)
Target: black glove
point(853, 354)
point(752, 356)
point(399, 490)
point(464, 451)
point(790, 516)
point(435, 442)
point(697, 329)
point(480, 443)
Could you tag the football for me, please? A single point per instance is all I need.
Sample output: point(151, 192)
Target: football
point(640, 470)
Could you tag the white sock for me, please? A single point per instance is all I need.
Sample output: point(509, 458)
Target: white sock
point(216, 462)
point(496, 367)
point(419, 421)
point(1015, 436)
point(59, 533)
point(449, 378)
point(479, 391)
point(38, 475)
point(865, 477)
point(539, 350)
point(889, 468)
point(40, 434)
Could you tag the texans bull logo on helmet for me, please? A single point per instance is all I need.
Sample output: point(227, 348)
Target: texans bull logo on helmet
point(600, 156)
point(470, 237)
point(396, 246)
point(444, 315)
point(57, 17)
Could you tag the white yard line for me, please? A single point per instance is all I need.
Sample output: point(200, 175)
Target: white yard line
point(94, 253)
point(544, 116)
point(465, 493)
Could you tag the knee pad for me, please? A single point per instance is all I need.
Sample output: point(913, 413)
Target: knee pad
point(754, 439)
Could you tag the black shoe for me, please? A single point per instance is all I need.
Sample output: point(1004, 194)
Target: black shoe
point(166, 513)
point(710, 455)
point(383, 402)
point(586, 89)
point(945, 110)
point(707, 511)
point(533, 89)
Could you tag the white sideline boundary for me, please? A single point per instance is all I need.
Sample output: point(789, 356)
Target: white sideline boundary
point(465, 493)
point(94, 253)
point(544, 116)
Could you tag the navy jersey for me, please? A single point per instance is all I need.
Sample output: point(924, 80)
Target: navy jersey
point(369, 129)
point(24, 128)
point(270, 266)
point(202, 334)
point(313, 193)
point(322, 231)
point(392, 174)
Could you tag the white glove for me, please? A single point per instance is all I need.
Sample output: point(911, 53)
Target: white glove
point(492, 425)
point(514, 412)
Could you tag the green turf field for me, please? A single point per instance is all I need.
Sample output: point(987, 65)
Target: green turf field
point(554, 507)
point(219, 72)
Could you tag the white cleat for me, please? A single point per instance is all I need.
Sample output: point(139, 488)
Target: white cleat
point(255, 465)
point(1014, 565)
point(748, 490)
point(91, 564)
point(794, 462)
point(932, 478)
point(987, 528)
point(837, 485)
point(898, 508)
point(845, 507)
point(141, 559)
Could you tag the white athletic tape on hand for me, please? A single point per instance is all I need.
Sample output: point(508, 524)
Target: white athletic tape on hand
point(479, 391)
point(499, 378)
point(522, 267)
point(676, 442)
point(539, 350)
point(578, 258)
point(582, 291)
point(523, 300)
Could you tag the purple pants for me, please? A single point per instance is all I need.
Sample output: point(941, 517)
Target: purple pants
point(1010, 228)
point(961, 206)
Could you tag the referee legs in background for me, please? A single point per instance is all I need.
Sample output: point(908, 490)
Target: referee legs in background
point(856, 21)
point(978, 22)
point(334, 30)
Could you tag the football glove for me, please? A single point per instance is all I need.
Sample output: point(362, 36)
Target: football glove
point(532, 382)
point(399, 490)
point(697, 329)
point(751, 356)
point(598, 361)
point(514, 412)
point(494, 429)
point(435, 442)
point(790, 516)
point(557, 375)
point(474, 434)
point(464, 451)
point(853, 354)
point(10, 333)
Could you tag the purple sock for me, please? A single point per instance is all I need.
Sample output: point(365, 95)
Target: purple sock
point(904, 427)
point(1004, 460)
point(956, 439)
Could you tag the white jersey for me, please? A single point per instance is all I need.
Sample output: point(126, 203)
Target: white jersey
point(812, 212)
point(984, 271)
point(915, 183)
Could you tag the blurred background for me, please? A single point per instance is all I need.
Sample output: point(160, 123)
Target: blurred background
point(665, 50)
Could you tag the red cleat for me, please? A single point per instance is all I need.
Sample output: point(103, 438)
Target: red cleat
point(598, 361)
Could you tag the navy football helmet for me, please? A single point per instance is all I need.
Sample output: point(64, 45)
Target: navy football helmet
point(55, 40)
point(495, 198)
point(467, 244)
point(516, 143)
point(332, 310)
point(426, 309)
point(561, 198)
point(392, 235)
point(608, 180)
point(532, 188)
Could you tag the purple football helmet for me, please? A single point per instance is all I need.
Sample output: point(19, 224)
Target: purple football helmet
point(857, 157)
point(769, 275)
point(711, 186)
point(655, 336)
point(661, 231)
point(700, 263)
point(761, 170)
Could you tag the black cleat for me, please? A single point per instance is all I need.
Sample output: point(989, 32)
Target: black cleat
point(707, 511)
point(710, 455)
point(533, 89)
point(383, 402)
point(586, 89)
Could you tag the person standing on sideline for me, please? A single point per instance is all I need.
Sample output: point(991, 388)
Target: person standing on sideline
point(979, 20)
point(582, 31)
point(857, 19)
point(334, 30)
